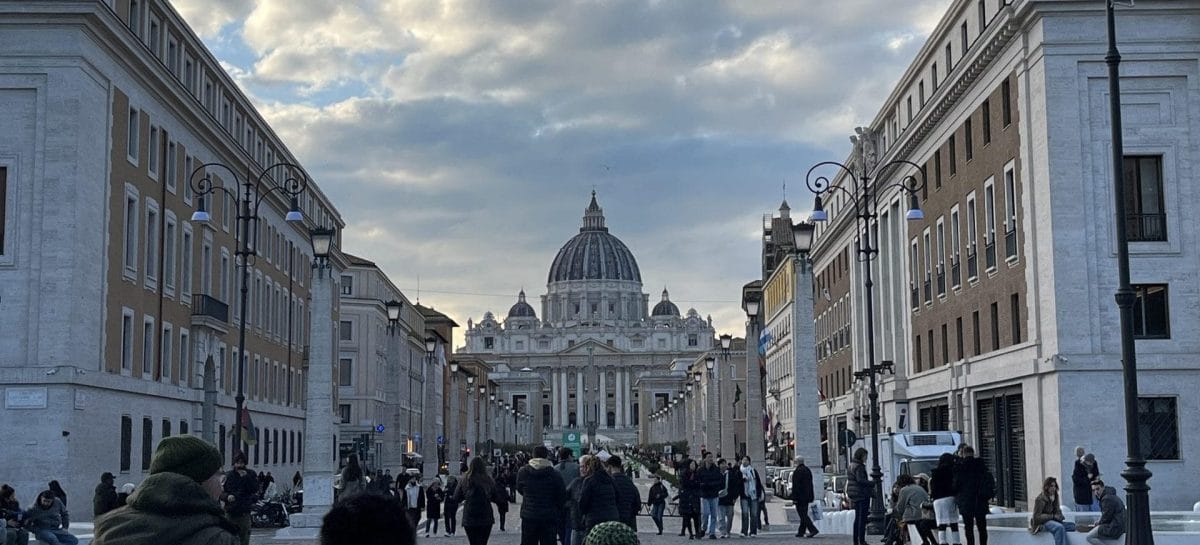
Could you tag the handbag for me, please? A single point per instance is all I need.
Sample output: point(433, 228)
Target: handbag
point(814, 511)
point(845, 498)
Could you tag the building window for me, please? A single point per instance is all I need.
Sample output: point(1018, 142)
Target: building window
point(166, 348)
point(127, 340)
point(169, 255)
point(941, 257)
point(693, 339)
point(1158, 428)
point(995, 326)
point(185, 363)
point(934, 415)
point(953, 156)
point(126, 442)
point(1005, 103)
point(949, 58)
point(987, 122)
point(166, 428)
point(545, 345)
point(185, 265)
point(959, 337)
point(151, 244)
point(933, 75)
point(345, 372)
point(152, 159)
point(344, 411)
point(347, 284)
point(1151, 313)
point(489, 343)
point(3, 204)
point(968, 140)
point(1145, 215)
point(908, 105)
point(945, 345)
point(131, 233)
point(982, 16)
point(345, 331)
point(929, 336)
point(976, 333)
point(966, 41)
point(955, 249)
point(921, 93)
point(989, 224)
point(1010, 212)
point(972, 238)
point(183, 427)
point(147, 443)
point(147, 344)
point(1015, 311)
point(917, 352)
point(937, 169)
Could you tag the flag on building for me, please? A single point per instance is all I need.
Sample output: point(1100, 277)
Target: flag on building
point(249, 432)
point(764, 340)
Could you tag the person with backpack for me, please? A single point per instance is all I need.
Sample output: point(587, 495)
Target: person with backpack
point(476, 491)
point(974, 486)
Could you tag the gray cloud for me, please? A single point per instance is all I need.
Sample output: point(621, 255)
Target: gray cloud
point(460, 139)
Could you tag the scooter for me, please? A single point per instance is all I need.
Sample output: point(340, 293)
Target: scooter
point(268, 513)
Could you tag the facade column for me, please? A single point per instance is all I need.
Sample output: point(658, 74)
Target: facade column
point(602, 394)
point(754, 395)
point(554, 393)
point(320, 462)
point(562, 403)
point(807, 430)
point(579, 420)
point(620, 397)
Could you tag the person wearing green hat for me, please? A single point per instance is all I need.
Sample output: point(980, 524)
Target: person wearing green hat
point(611, 533)
point(177, 503)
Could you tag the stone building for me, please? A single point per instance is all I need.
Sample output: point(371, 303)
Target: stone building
point(111, 300)
point(997, 307)
point(597, 334)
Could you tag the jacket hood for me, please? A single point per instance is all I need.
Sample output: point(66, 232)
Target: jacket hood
point(540, 463)
point(1110, 491)
point(173, 494)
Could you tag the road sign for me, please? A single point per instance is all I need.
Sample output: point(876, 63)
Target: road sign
point(417, 436)
point(441, 440)
point(379, 428)
point(667, 449)
point(572, 441)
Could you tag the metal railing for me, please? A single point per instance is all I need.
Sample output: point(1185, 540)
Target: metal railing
point(972, 265)
point(916, 295)
point(955, 270)
point(207, 305)
point(1010, 243)
point(928, 290)
point(989, 254)
point(1146, 227)
point(941, 280)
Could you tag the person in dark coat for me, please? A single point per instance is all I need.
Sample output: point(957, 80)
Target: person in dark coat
point(433, 505)
point(105, 498)
point(241, 492)
point(729, 496)
point(48, 520)
point(568, 468)
point(974, 486)
point(858, 491)
point(476, 491)
point(58, 491)
point(451, 506)
point(598, 495)
point(945, 504)
point(689, 500)
point(366, 519)
point(802, 496)
point(502, 499)
point(711, 483)
point(575, 518)
point(1086, 470)
point(1111, 525)
point(543, 495)
point(629, 500)
point(658, 502)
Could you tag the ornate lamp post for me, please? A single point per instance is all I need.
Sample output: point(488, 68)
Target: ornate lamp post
point(863, 196)
point(480, 409)
point(254, 191)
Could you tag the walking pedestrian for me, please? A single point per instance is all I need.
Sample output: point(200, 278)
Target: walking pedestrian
point(597, 496)
point(48, 520)
point(433, 505)
point(802, 498)
point(859, 490)
point(974, 487)
point(501, 499)
point(945, 505)
point(451, 506)
point(178, 503)
point(475, 492)
point(729, 496)
point(105, 497)
point(367, 519)
point(1086, 470)
point(710, 488)
point(629, 500)
point(752, 496)
point(241, 492)
point(689, 500)
point(574, 491)
point(657, 499)
point(568, 469)
point(1047, 513)
point(1111, 525)
point(413, 498)
point(908, 508)
point(542, 496)
point(352, 478)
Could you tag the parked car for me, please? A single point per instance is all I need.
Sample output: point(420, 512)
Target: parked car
point(835, 488)
point(783, 484)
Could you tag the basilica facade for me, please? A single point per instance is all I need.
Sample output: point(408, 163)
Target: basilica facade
point(576, 364)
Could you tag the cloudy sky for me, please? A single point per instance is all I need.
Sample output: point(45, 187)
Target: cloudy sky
point(460, 139)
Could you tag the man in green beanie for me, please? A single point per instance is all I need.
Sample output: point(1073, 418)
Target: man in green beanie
point(177, 503)
point(611, 533)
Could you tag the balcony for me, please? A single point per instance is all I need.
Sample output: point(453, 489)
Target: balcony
point(916, 295)
point(941, 280)
point(972, 265)
point(928, 290)
point(1010, 243)
point(1146, 227)
point(989, 254)
point(955, 270)
point(210, 312)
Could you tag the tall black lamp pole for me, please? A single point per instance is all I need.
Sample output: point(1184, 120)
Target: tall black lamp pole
point(1136, 475)
point(291, 183)
point(864, 197)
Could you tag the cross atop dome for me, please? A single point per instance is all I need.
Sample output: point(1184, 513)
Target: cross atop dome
point(593, 217)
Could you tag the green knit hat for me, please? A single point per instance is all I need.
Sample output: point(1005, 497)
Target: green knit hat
point(611, 533)
point(186, 455)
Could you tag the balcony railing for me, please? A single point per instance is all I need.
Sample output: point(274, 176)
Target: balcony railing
point(941, 280)
point(955, 269)
point(972, 265)
point(989, 254)
point(1146, 227)
point(916, 295)
point(1010, 243)
point(928, 290)
point(206, 305)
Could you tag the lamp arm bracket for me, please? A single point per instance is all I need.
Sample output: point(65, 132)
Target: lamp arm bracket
point(204, 185)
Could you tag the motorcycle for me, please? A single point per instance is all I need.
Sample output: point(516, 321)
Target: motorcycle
point(269, 513)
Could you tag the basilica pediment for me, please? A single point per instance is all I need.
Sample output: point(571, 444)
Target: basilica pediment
point(581, 348)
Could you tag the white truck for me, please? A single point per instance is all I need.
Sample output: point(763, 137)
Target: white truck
point(908, 453)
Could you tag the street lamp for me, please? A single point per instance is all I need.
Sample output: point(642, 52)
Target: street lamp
point(864, 198)
point(1136, 475)
point(254, 191)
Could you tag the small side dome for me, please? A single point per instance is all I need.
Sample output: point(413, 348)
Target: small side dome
point(521, 309)
point(665, 307)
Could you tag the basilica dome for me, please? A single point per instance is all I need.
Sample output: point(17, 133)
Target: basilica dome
point(521, 309)
point(594, 254)
point(665, 307)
